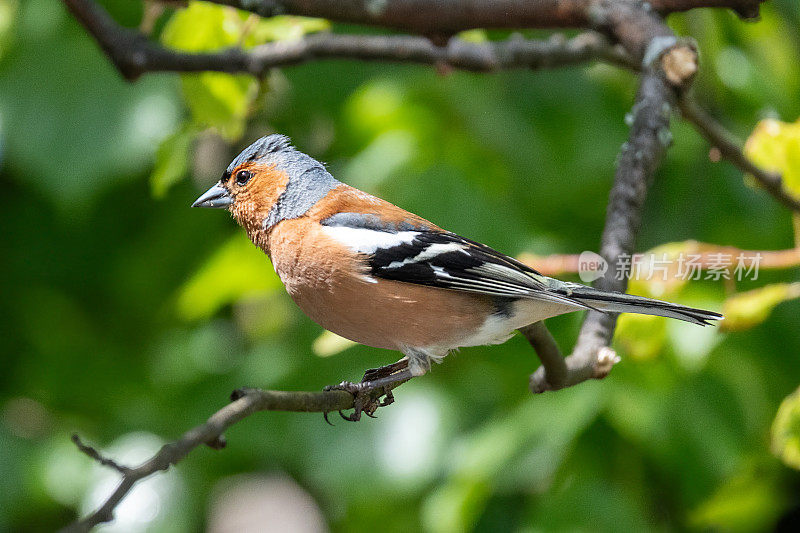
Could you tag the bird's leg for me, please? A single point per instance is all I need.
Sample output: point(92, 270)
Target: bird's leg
point(386, 370)
point(367, 393)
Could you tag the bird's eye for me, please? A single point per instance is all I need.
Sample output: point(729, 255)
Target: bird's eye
point(243, 176)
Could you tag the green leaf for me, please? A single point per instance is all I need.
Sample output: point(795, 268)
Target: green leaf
point(474, 36)
point(284, 28)
point(786, 431)
point(203, 27)
point(216, 100)
point(749, 501)
point(775, 145)
point(641, 336)
point(748, 309)
point(172, 161)
point(8, 11)
point(237, 270)
point(220, 101)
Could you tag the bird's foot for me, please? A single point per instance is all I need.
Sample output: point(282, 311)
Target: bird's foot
point(366, 398)
point(374, 390)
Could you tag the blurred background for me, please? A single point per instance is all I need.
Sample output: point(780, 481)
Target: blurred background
point(127, 317)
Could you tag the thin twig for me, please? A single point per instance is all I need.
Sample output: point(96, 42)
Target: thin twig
point(704, 255)
point(559, 372)
point(97, 456)
point(731, 149)
point(246, 402)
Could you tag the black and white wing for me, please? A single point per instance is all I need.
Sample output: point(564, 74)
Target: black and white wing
point(425, 256)
point(449, 261)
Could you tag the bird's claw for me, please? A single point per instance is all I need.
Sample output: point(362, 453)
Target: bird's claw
point(365, 399)
point(388, 399)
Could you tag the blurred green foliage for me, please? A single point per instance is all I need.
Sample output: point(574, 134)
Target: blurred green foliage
point(776, 145)
point(128, 317)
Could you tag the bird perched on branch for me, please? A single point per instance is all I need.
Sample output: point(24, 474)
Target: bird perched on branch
point(374, 273)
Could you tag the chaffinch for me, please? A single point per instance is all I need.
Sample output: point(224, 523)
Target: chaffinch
point(376, 274)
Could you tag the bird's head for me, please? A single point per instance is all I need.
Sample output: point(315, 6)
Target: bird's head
point(268, 182)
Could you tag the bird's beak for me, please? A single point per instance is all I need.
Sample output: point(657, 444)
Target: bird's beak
point(216, 196)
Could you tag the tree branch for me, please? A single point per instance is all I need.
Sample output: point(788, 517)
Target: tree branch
point(553, 363)
point(133, 54)
point(245, 403)
point(448, 17)
point(731, 149)
point(640, 156)
point(668, 65)
point(746, 9)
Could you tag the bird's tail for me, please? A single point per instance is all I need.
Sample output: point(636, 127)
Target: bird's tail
point(616, 302)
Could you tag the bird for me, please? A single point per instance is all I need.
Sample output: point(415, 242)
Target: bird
point(381, 276)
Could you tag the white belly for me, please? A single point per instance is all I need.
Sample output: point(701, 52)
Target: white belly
point(497, 329)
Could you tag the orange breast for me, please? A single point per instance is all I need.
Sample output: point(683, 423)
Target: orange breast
point(331, 286)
